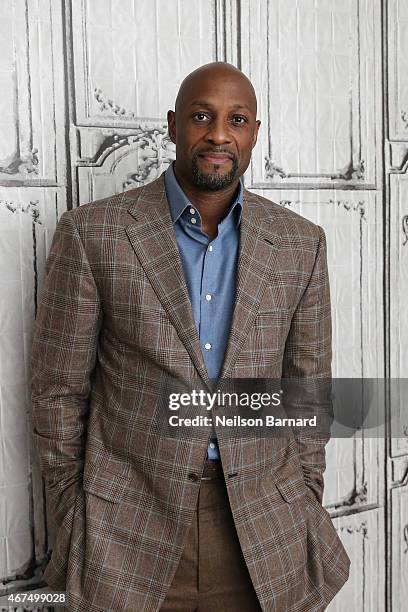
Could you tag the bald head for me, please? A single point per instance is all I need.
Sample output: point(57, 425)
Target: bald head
point(212, 73)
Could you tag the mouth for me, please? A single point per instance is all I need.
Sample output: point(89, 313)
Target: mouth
point(216, 158)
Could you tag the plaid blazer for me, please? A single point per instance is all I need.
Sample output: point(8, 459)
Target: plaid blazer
point(114, 319)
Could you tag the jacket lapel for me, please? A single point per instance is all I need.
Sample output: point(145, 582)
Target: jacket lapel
point(154, 241)
point(260, 237)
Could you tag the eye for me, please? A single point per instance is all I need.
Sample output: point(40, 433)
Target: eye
point(239, 119)
point(200, 117)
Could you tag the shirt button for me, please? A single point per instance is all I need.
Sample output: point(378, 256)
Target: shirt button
point(210, 248)
point(207, 345)
point(192, 211)
point(208, 297)
point(193, 220)
point(212, 445)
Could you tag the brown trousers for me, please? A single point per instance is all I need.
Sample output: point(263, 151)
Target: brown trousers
point(212, 575)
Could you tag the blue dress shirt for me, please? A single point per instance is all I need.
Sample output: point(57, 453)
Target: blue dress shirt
point(210, 273)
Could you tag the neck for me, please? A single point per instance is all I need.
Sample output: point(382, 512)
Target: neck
point(212, 205)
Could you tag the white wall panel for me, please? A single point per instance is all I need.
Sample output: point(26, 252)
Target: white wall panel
point(32, 148)
point(398, 310)
point(130, 56)
point(399, 543)
point(398, 69)
point(362, 536)
point(399, 273)
point(28, 216)
point(128, 62)
point(315, 66)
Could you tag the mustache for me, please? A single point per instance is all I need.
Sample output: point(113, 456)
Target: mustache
point(215, 150)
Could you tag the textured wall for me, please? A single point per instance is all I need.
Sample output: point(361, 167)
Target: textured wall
point(86, 85)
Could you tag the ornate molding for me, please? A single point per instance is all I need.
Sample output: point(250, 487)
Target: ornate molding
point(362, 528)
point(153, 146)
point(272, 169)
point(405, 231)
point(398, 156)
point(108, 105)
point(350, 173)
point(404, 118)
point(19, 164)
point(147, 138)
point(31, 208)
point(148, 169)
point(285, 203)
point(358, 496)
point(152, 141)
point(346, 204)
point(354, 206)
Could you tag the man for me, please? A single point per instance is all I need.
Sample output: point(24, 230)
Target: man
point(189, 277)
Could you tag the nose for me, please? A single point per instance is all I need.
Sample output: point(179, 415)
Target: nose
point(218, 133)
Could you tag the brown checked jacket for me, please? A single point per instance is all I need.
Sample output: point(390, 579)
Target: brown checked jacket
point(114, 320)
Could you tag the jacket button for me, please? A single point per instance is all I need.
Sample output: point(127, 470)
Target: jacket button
point(193, 477)
point(232, 474)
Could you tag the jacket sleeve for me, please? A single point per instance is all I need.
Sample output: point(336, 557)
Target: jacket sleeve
point(63, 357)
point(307, 360)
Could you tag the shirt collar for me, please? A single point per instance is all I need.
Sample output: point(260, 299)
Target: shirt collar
point(178, 201)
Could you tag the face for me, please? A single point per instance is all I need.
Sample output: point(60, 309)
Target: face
point(214, 129)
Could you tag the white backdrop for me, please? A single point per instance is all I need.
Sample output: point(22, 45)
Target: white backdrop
point(86, 85)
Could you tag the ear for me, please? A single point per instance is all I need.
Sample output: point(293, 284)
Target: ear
point(171, 125)
point(256, 130)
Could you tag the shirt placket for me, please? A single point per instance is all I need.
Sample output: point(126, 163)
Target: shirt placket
point(208, 305)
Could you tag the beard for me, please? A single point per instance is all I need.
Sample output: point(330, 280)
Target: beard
point(213, 181)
